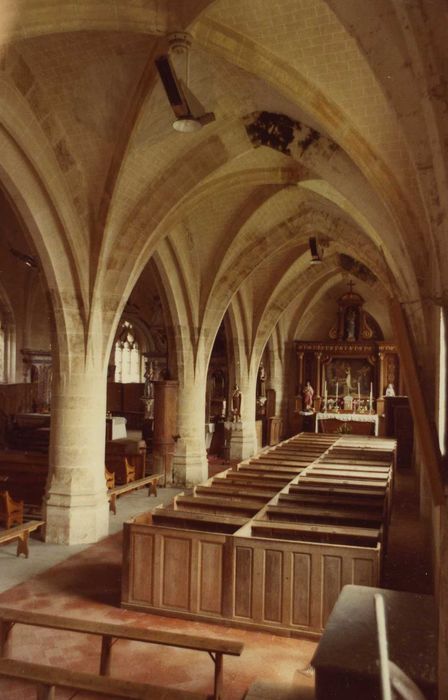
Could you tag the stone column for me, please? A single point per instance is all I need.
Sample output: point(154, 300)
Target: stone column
point(300, 377)
point(243, 439)
point(381, 386)
point(165, 428)
point(190, 464)
point(318, 356)
point(76, 507)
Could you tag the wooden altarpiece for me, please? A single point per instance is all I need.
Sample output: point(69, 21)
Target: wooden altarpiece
point(353, 360)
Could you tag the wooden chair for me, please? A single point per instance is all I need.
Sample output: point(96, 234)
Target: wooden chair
point(130, 471)
point(11, 511)
point(110, 479)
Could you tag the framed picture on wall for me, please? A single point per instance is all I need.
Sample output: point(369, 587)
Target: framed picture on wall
point(348, 373)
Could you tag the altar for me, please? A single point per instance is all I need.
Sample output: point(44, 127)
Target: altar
point(358, 423)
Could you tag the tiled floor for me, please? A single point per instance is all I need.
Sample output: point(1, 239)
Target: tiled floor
point(87, 584)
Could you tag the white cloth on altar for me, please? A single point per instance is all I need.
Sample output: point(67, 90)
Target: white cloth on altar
point(349, 417)
point(118, 428)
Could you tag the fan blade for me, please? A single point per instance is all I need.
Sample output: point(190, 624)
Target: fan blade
point(172, 87)
point(206, 118)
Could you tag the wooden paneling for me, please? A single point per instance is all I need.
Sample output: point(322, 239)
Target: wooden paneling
point(301, 589)
point(273, 574)
point(259, 577)
point(243, 581)
point(176, 572)
point(363, 572)
point(331, 583)
point(211, 569)
point(142, 561)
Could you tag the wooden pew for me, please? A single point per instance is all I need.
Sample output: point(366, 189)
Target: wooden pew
point(339, 473)
point(305, 532)
point(347, 500)
point(48, 678)
point(11, 511)
point(258, 478)
point(249, 486)
point(150, 481)
point(20, 533)
point(273, 470)
point(367, 485)
point(319, 515)
point(124, 471)
point(231, 492)
point(216, 647)
point(208, 522)
point(216, 505)
point(330, 487)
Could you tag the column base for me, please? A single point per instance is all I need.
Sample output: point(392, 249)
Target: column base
point(242, 440)
point(190, 465)
point(81, 519)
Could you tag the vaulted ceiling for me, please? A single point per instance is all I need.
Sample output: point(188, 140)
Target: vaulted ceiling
point(330, 122)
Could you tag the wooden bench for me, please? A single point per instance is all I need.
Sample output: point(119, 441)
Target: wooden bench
point(47, 678)
point(215, 647)
point(11, 511)
point(20, 533)
point(150, 481)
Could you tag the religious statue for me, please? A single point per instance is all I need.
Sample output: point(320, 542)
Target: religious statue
point(261, 382)
point(236, 403)
point(390, 391)
point(308, 394)
point(148, 392)
point(348, 379)
point(350, 324)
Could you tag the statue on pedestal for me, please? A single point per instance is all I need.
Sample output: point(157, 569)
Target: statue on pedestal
point(261, 382)
point(390, 391)
point(236, 403)
point(148, 392)
point(308, 398)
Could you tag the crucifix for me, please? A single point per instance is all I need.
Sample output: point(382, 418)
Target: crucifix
point(351, 285)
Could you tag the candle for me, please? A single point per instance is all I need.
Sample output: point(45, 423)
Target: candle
point(359, 392)
point(337, 391)
point(370, 398)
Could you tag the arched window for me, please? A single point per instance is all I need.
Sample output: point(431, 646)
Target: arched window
point(127, 357)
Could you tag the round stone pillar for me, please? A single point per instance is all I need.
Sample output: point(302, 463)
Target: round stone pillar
point(190, 464)
point(76, 507)
point(243, 438)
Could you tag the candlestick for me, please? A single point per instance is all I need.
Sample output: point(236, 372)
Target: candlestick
point(371, 397)
point(337, 391)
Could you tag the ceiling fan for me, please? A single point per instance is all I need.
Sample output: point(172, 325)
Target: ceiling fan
point(190, 114)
